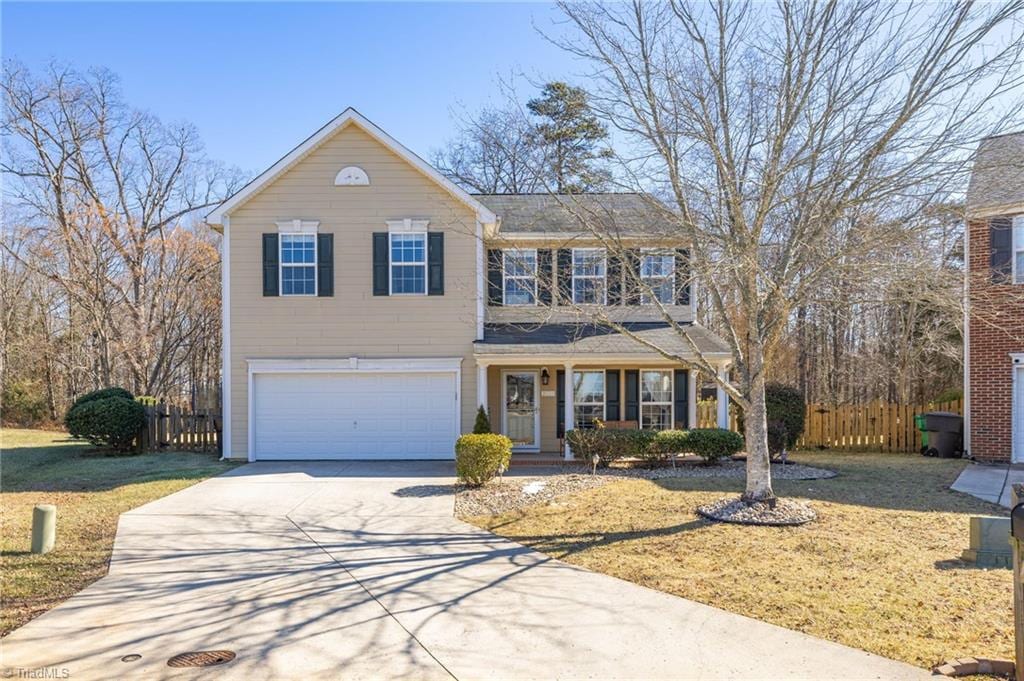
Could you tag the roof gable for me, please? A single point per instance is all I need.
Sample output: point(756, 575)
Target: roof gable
point(348, 117)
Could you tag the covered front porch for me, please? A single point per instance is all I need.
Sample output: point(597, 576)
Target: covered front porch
point(535, 392)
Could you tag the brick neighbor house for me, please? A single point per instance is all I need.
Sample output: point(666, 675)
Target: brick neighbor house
point(994, 328)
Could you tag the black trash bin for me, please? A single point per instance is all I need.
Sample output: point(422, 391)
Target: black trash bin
point(942, 434)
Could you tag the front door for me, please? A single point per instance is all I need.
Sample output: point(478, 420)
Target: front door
point(521, 414)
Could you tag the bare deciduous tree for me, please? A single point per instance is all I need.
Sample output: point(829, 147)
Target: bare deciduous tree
point(790, 143)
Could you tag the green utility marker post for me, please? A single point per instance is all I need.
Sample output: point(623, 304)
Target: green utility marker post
point(44, 528)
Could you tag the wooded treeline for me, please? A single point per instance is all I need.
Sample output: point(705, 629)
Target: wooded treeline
point(107, 276)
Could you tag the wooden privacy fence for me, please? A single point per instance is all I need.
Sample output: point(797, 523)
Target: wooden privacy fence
point(178, 427)
point(875, 426)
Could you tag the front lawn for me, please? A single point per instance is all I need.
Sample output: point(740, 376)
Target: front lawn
point(879, 570)
point(90, 491)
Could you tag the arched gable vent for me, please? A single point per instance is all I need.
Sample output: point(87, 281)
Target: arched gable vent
point(351, 176)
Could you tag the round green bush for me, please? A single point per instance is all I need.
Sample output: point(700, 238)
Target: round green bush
point(712, 444)
point(481, 456)
point(787, 405)
point(110, 421)
point(102, 394)
point(778, 437)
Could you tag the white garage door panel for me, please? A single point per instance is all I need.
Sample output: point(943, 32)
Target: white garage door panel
point(354, 416)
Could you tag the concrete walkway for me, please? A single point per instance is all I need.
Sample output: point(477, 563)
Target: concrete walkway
point(989, 482)
point(359, 571)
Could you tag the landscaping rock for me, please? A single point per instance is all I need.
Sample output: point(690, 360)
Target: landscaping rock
point(735, 510)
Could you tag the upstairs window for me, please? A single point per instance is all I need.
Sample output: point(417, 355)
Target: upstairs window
point(1018, 249)
point(588, 276)
point(409, 263)
point(520, 268)
point(298, 264)
point(658, 274)
point(587, 397)
point(656, 400)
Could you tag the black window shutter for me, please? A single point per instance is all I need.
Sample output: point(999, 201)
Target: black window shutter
point(270, 256)
point(614, 279)
point(681, 386)
point(325, 265)
point(632, 287)
point(611, 394)
point(632, 395)
point(545, 277)
point(560, 391)
point(380, 264)
point(435, 263)
point(565, 276)
point(495, 281)
point(682, 276)
point(1000, 232)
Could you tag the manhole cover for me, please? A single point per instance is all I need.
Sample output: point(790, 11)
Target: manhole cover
point(201, 658)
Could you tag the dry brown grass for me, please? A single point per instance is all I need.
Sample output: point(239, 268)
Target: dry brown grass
point(879, 570)
point(90, 492)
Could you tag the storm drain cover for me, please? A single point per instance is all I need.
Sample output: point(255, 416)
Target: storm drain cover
point(202, 658)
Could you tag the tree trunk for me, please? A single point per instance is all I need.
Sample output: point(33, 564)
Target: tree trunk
point(755, 427)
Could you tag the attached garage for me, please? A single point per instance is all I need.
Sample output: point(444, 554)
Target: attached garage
point(368, 409)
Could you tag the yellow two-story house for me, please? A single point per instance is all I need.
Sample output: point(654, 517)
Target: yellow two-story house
point(371, 306)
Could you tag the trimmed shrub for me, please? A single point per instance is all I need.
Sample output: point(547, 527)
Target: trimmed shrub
point(712, 444)
point(668, 442)
point(786, 404)
point(102, 394)
point(24, 403)
point(481, 456)
point(591, 445)
point(601, 446)
point(110, 421)
point(482, 426)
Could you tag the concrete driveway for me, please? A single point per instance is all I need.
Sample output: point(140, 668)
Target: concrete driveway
point(358, 570)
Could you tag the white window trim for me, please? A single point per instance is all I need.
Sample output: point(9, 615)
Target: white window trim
point(505, 276)
point(297, 226)
point(604, 393)
point(281, 265)
point(604, 291)
point(391, 265)
point(1016, 227)
point(672, 276)
point(671, 396)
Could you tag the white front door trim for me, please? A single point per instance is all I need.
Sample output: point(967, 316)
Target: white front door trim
point(1017, 409)
point(350, 365)
point(535, 447)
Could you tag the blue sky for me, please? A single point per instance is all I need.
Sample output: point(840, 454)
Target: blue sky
point(257, 78)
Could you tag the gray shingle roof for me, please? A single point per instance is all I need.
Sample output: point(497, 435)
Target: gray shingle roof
point(590, 339)
point(550, 213)
point(997, 179)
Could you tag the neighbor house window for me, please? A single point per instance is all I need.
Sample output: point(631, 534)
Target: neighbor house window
point(1018, 249)
point(298, 264)
point(658, 274)
point(588, 276)
point(520, 268)
point(409, 263)
point(587, 397)
point(656, 400)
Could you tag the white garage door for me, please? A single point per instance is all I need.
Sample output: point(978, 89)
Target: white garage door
point(354, 416)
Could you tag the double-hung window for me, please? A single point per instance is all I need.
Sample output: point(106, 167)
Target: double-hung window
point(588, 276)
point(656, 399)
point(409, 263)
point(587, 397)
point(520, 267)
point(658, 276)
point(1018, 249)
point(298, 264)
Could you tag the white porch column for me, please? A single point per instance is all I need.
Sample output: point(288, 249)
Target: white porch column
point(481, 387)
point(723, 399)
point(569, 409)
point(691, 399)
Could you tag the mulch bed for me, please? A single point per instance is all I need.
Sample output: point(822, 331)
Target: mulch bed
point(514, 493)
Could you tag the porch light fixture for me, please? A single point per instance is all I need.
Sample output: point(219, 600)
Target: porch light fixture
point(544, 376)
